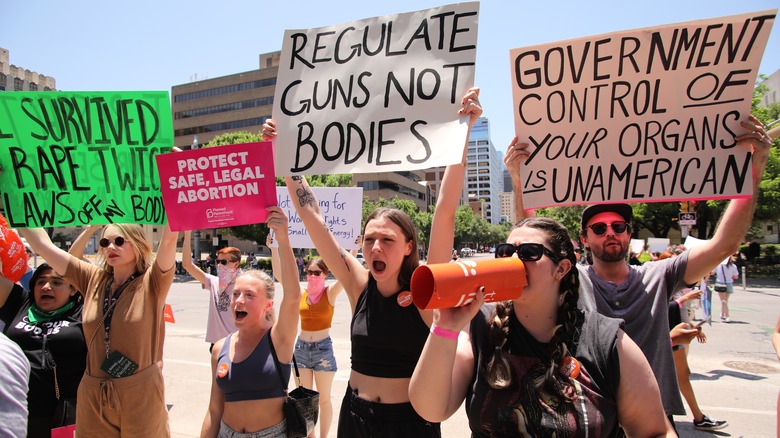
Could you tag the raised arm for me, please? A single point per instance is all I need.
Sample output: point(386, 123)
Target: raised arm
point(186, 259)
point(166, 250)
point(6, 286)
point(56, 257)
point(344, 266)
point(738, 215)
point(285, 330)
point(275, 264)
point(80, 244)
point(514, 159)
point(639, 406)
point(443, 225)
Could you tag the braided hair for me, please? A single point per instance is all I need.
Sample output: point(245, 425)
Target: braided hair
point(554, 381)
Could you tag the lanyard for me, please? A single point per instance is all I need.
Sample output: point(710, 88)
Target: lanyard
point(109, 303)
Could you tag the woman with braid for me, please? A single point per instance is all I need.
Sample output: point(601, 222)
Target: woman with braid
point(537, 365)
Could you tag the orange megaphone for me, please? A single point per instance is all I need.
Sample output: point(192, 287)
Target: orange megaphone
point(12, 252)
point(455, 284)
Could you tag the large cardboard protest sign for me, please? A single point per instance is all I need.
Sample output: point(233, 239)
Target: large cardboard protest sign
point(375, 95)
point(74, 158)
point(218, 187)
point(642, 115)
point(341, 208)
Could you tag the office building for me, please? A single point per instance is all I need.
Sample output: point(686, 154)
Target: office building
point(484, 171)
point(13, 78)
point(772, 95)
point(508, 213)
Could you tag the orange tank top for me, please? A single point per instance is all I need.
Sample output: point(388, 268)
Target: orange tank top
point(318, 316)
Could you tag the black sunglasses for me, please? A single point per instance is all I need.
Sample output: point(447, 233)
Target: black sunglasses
point(599, 228)
point(317, 273)
point(225, 262)
point(527, 252)
point(119, 241)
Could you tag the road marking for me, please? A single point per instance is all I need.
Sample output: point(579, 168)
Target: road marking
point(738, 410)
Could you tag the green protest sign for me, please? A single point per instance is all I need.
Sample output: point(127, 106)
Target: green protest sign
point(74, 158)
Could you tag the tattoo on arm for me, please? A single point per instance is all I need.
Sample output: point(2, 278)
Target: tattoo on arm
point(344, 258)
point(305, 197)
point(297, 178)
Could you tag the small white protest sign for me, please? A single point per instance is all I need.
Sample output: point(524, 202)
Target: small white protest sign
point(637, 246)
point(657, 244)
point(341, 208)
point(375, 95)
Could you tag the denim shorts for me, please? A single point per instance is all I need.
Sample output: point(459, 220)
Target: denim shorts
point(278, 431)
point(316, 356)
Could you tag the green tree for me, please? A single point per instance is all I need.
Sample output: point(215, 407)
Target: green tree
point(464, 225)
point(768, 207)
point(569, 216)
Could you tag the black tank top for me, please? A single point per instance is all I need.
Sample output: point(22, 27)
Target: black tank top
point(387, 339)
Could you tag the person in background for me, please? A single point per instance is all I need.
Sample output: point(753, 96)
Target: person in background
point(387, 331)
point(301, 267)
point(220, 321)
point(726, 274)
point(14, 375)
point(633, 260)
point(80, 243)
point(25, 280)
point(122, 390)
point(247, 397)
point(46, 324)
point(314, 348)
point(537, 365)
point(679, 319)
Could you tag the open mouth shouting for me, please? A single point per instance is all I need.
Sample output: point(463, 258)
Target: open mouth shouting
point(46, 298)
point(240, 315)
point(379, 266)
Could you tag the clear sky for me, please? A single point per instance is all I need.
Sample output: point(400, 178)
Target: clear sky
point(153, 45)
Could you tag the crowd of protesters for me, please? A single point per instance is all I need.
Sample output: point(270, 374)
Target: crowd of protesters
point(575, 361)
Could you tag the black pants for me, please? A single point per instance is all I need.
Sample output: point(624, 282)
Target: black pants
point(361, 418)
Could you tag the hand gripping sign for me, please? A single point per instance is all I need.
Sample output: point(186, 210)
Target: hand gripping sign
point(12, 252)
point(456, 284)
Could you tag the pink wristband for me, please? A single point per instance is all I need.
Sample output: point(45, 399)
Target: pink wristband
point(444, 333)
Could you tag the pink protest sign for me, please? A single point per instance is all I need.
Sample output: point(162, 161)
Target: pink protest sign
point(218, 187)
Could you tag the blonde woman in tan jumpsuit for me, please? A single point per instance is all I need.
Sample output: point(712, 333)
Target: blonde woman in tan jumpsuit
point(122, 316)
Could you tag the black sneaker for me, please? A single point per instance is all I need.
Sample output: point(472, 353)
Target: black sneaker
point(708, 423)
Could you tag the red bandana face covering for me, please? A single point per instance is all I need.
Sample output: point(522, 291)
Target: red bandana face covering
point(315, 287)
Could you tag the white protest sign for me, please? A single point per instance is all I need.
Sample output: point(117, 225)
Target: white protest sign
point(375, 95)
point(657, 244)
point(641, 115)
point(692, 242)
point(341, 207)
point(637, 246)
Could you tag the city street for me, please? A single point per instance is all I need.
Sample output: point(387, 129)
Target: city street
point(736, 375)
